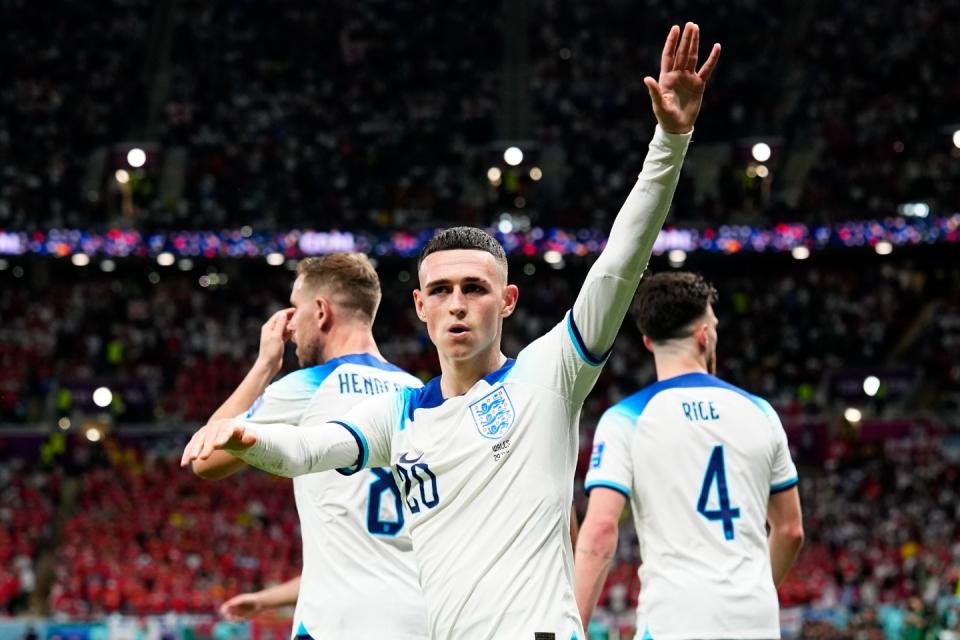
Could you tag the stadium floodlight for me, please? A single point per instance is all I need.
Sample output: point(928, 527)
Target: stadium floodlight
point(122, 176)
point(165, 259)
point(761, 152)
point(93, 434)
point(275, 259)
point(136, 157)
point(871, 385)
point(800, 253)
point(677, 257)
point(553, 257)
point(536, 174)
point(852, 415)
point(493, 175)
point(513, 156)
point(80, 259)
point(956, 138)
point(762, 171)
point(505, 225)
point(883, 248)
point(102, 397)
point(63, 423)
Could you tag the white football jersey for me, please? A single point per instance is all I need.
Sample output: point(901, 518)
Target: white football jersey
point(488, 481)
point(359, 575)
point(698, 458)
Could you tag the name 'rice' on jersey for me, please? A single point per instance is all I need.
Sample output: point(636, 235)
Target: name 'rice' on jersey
point(698, 459)
point(359, 575)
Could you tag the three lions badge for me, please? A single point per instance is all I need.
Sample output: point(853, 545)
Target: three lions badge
point(493, 414)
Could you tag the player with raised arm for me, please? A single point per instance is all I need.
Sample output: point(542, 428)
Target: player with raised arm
point(706, 468)
point(350, 526)
point(485, 453)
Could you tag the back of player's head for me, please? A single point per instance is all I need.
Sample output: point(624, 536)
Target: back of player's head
point(465, 238)
point(349, 278)
point(667, 303)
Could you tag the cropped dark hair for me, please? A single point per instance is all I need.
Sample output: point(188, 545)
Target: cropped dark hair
point(465, 238)
point(666, 303)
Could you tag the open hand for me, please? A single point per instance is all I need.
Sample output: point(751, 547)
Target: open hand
point(229, 435)
point(677, 95)
point(273, 335)
point(241, 607)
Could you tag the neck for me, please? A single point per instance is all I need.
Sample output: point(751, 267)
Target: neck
point(352, 340)
point(677, 362)
point(458, 375)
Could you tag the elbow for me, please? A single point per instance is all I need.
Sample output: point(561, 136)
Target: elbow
point(598, 535)
point(791, 533)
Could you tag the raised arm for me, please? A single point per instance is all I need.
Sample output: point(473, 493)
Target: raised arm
point(676, 97)
point(269, 361)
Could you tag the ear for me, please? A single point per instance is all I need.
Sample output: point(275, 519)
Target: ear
point(703, 336)
point(418, 304)
point(510, 296)
point(324, 314)
point(648, 343)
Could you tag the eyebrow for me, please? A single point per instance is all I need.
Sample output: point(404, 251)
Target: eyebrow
point(467, 280)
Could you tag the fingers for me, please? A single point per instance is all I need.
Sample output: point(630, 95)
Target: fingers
point(683, 51)
point(191, 450)
point(707, 69)
point(691, 64)
point(669, 49)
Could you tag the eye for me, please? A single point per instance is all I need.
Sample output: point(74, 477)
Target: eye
point(474, 288)
point(438, 290)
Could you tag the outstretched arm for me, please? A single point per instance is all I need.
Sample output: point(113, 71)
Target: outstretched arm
point(676, 97)
point(244, 606)
point(269, 361)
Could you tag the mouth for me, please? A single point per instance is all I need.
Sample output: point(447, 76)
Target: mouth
point(458, 330)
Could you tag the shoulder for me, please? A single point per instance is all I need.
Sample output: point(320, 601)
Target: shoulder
point(301, 382)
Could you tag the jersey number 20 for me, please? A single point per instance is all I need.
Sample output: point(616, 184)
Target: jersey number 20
point(717, 473)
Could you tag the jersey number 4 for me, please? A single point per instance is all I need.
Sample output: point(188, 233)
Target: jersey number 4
point(717, 474)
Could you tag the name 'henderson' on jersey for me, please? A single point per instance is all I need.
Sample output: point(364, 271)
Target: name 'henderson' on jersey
point(698, 458)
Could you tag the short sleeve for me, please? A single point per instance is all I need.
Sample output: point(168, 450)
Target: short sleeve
point(560, 361)
point(783, 473)
point(372, 424)
point(611, 464)
point(284, 401)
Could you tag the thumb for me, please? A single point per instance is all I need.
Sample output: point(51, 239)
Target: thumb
point(655, 95)
point(247, 437)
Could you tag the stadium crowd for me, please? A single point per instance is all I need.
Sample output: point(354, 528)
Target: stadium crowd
point(383, 115)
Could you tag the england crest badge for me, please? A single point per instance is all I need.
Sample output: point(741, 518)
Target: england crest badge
point(493, 413)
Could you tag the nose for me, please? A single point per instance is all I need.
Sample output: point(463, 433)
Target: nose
point(458, 303)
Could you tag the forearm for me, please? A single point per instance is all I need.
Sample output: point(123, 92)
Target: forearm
point(784, 547)
point(614, 277)
point(596, 546)
point(221, 463)
point(282, 595)
point(290, 451)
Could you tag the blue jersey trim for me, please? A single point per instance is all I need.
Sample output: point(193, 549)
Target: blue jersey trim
point(607, 484)
point(429, 395)
point(364, 359)
point(783, 486)
point(302, 632)
point(637, 403)
point(581, 347)
point(361, 445)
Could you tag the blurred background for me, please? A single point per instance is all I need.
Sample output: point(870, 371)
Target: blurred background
point(164, 164)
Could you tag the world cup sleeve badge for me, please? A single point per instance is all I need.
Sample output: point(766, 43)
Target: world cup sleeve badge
point(493, 414)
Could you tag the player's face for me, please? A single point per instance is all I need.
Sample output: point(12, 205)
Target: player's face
point(304, 325)
point(463, 298)
point(711, 340)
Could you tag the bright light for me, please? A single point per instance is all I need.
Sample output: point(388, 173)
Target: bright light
point(915, 209)
point(536, 173)
point(761, 152)
point(246, 231)
point(762, 171)
point(505, 225)
point(165, 259)
point(108, 266)
point(553, 257)
point(871, 385)
point(93, 434)
point(80, 259)
point(185, 264)
point(513, 156)
point(102, 397)
point(752, 171)
point(884, 248)
point(677, 257)
point(800, 253)
point(63, 423)
point(275, 259)
point(852, 415)
point(137, 158)
point(956, 138)
point(494, 174)
point(122, 176)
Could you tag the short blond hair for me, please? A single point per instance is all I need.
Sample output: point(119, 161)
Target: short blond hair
point(349, 277)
